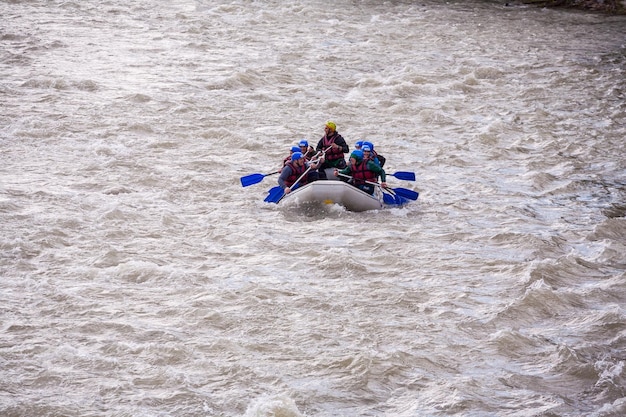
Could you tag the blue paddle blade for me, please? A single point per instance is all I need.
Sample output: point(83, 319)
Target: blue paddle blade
point(389, 199)
point(251, 179)
point(401, 200)
point(394, 199)
point(274, 195)
point(403, 175)
point(255, 178)
point(406, 193)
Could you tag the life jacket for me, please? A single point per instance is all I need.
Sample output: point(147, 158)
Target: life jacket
point(332, 154)
point(296, 172)
point(360, 173)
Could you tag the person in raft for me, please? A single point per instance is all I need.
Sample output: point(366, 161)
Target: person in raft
point(295, 169)
point(370, 153)
point(335, 146)
point(287, 159)
point(306, 149)
point(362, 172)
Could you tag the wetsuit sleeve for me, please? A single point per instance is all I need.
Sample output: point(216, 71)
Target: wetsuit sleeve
point(342, 142)
point(376, 169)
point(284, 174)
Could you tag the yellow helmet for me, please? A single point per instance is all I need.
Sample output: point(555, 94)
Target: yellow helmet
point(332, 125)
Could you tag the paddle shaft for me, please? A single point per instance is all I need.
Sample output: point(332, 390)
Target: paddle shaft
point(401, 192)
point(367, 182)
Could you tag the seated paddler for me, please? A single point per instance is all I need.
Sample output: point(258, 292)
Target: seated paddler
point(362, 173)
point(297, 170)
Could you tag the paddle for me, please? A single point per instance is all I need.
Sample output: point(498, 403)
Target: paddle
point(396, 199)
point(406, 193)
point(389, 199)
point(254, 178)
point(274, 194)
point(404, 175)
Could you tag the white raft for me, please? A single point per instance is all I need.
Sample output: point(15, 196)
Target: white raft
point(335, 192)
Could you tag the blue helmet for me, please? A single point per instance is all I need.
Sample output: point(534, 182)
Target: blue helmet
point(366, 148)
point(358, 144)
point(370, 144)
point(296, 155)
point(357, 154)
point(303, 143)
point(295, 149)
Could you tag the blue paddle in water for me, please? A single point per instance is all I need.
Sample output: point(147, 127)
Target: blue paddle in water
point(389, 199)
point(274, 195)
point(397, 198)
point(406, 193)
